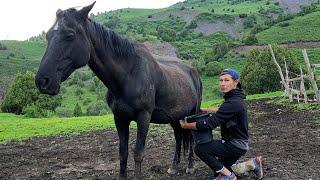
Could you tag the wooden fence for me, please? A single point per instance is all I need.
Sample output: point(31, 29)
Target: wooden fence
point(290, 84)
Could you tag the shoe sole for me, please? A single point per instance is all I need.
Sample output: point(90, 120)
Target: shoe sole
point(261, 170)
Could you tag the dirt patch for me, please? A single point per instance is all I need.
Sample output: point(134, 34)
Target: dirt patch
point(187, 15)
point(288, 140)
point(162, 50)
point(292, 6)
point(207, 28)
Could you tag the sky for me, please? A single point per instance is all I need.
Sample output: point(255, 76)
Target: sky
point(22, 19)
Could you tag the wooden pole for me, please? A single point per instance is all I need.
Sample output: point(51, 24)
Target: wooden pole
point(280, 72)
point(311, 75)
point(302, 87)
point(289, 84)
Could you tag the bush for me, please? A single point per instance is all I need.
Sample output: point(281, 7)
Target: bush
point(3, 47)
point(284, 24)
point(77, 110)
point(199, 64)
point(213, 68)
point(33, 111)
point(249, 21)
point(260, 73)
point(23, 93)
point(221, 48)
point(250, 40)
point(64, 112)
point(95, 109)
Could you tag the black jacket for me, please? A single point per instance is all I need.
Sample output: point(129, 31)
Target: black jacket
point(231, 117)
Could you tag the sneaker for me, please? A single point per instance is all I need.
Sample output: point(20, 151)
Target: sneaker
point(225, 177)
point(258, 172)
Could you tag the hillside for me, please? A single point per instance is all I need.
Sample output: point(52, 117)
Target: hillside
point(302, 28)
point(189, 30)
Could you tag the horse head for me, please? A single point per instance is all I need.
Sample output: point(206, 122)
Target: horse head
point(68, 48)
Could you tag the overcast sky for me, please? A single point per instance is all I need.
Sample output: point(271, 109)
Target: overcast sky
point(21, 19)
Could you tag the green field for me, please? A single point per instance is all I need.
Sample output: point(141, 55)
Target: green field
point(303, 28)
point(13, 127)
point(18, 128)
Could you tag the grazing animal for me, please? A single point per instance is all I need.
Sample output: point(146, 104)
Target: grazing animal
point(140, 88)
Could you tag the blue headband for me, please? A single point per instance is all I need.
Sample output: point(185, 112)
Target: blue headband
point(232, 72)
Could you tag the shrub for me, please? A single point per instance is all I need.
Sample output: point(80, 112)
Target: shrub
point(95, 109)
point(33, 111)
point(250, 40)
point(77, 110)
point(284, 24)
point(199, 64)
point(249, 21)
point(221, 48)
point(64, 112)
point(3, 47)
point(260, 73)
point(213, 68)
point(23, 93)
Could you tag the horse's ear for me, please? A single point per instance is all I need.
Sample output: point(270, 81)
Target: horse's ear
point(83, 13)
point(58, 12)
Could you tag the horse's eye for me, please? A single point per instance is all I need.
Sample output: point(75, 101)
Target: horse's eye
point(70, 36)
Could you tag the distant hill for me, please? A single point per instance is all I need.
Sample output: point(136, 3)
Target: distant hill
point(301, 28)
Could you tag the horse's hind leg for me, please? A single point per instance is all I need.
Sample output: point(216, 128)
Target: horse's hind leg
point(191, 168)
point(123, 133)
point(178, 138)
point(143, 122)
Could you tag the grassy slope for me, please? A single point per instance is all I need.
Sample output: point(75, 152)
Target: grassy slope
point(19, 57)
point(303, 28)
point(222, 6)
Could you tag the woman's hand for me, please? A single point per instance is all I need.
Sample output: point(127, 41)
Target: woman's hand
point(185, 125)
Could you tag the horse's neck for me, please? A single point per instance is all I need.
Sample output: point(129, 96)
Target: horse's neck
point(108, 67)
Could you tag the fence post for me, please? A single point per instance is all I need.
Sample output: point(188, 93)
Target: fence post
point(311, 75)
point(302, 87)
point(286, 87)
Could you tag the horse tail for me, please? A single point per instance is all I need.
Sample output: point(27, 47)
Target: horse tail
point(186, 133)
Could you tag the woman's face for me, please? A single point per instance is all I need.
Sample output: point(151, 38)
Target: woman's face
point(227, 83)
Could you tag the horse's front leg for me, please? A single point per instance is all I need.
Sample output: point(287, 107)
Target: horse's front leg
point(143, 121)
point(123, 133)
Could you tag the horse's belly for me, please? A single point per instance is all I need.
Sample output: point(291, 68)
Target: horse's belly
point(164, 116)
point(159, 117)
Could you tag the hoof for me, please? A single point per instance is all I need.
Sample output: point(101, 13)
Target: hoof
point(172, 171)
point(190, 170)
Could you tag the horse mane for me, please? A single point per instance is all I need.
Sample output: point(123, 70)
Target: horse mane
point(118, 45)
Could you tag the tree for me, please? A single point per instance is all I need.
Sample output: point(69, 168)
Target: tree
point(23, 93)
point(221, 48)
point(77, 110)
point(260, 74)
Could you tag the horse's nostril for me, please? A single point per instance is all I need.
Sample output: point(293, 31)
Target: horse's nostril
point(44, 82)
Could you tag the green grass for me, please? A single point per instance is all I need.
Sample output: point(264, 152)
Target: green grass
point(127, 14)
point(223, 7)
point(303, 28)
point(17, 128)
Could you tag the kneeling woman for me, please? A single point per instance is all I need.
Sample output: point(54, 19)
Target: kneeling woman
point(221, 155)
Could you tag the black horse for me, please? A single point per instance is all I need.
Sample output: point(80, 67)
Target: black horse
point(140, 88)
